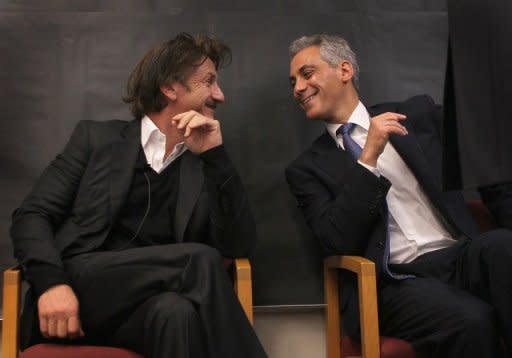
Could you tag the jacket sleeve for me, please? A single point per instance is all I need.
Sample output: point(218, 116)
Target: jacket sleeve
point(34, 223)
point(342, 217)
point(232, 226)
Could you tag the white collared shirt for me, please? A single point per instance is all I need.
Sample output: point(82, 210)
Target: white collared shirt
point(153, 143)
point(414, 227)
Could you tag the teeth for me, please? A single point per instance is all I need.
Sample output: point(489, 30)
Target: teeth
point(307, 99)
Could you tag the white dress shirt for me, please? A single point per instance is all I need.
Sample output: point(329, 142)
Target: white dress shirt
point(153, 143)
point(414, 226)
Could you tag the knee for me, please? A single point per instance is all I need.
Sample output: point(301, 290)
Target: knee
point(498, 242)
point(205, 254)
point(173, 308)
point(482, 319)
point(477, 322)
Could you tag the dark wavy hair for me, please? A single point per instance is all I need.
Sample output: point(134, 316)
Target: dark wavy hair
point(171, 61)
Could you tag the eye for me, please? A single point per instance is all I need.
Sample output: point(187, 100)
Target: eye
point(210, 80)
point(292, 83)
point(307, 74)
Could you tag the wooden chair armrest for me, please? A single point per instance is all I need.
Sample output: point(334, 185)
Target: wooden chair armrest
point(11, 311)
point(243, 285)
point(368, 315)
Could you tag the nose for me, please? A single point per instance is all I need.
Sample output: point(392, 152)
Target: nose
point(299, 87)
point(217, 94)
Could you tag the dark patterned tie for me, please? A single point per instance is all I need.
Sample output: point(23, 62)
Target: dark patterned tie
point(355, 150)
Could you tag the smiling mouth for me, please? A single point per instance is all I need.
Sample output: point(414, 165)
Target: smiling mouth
point(307, 99)
point(212, 106)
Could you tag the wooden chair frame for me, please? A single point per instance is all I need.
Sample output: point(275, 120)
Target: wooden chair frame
point(368, 315)
point(242, 278)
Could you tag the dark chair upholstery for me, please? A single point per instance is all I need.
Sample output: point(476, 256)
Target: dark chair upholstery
point(242, 279)
point(389, 347)
point(371, 344)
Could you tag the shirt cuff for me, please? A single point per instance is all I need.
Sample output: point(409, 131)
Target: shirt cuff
point(374, 170)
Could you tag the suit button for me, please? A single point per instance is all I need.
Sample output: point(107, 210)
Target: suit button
point(380, 245)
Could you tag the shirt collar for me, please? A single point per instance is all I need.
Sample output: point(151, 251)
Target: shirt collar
point(147, 128)
point(359, 116)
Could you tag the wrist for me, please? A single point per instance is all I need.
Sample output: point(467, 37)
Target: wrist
point(368, 159)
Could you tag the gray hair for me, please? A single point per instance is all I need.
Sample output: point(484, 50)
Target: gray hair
point(333, 50)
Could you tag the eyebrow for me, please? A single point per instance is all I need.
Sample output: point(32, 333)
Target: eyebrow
point(209, 75)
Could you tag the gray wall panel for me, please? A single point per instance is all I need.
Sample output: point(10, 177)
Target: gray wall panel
point(62, 62)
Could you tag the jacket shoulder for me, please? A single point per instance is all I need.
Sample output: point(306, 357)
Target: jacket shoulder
point(99, 132)
point(102, 125)
point(306, 155)
point(415, 102)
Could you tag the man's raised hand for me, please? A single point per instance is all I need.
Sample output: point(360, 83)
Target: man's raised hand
point(200, 133)
point(381, 127)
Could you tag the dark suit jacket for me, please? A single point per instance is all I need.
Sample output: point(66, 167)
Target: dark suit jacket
point(77, 199)
point(341, 200)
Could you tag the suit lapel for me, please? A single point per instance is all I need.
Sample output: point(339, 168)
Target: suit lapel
point(330, 158)
point(190, 186)
point(409, 149)
point(124, 154)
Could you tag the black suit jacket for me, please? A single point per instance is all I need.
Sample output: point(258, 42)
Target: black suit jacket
point(341, 200)
point(77, 199)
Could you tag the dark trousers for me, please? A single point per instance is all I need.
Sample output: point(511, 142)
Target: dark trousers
point(460, 303)
point(162, 301)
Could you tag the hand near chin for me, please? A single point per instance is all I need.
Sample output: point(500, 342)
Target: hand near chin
point(200, 133)
point(381, 127)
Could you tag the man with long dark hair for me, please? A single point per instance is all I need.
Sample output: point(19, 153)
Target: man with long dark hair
point(123, 235)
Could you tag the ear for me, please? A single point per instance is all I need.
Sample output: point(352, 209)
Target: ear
point(345, 71)
point(169, 91)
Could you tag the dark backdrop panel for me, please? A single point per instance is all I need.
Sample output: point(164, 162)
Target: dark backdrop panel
point(61, 62)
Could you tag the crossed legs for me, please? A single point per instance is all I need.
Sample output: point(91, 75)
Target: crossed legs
point(169, 300)
point(459, 304)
